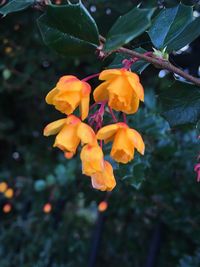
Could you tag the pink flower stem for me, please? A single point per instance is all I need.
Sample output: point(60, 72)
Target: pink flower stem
point(129, 62)
point(101, 143)
point(197, 170)
point(94, 105)
point(112, 114)
point(97, 117)
point(90, 77)
point(124, 117)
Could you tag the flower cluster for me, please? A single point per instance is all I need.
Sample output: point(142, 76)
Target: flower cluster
point(120, 91)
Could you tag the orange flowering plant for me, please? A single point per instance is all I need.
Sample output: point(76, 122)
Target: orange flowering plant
point(121, 91)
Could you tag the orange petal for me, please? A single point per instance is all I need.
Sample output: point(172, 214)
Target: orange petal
point(67, 102)
point(105, 180)
point(120, 93)
point(92, 159)
point(84, 107)
point(122, 148)
point(86, 133)
point(132, 75)
point(86, 89)
point(67, 139)
point(137, 87)
point(54, 127)
point(107, 132)
point(137, 140)
point(72, 119)
point(50, 96)
point(109, 74)
point(67, 78)
point(134, 105)
point(69, 86)
point(120, 86)
point(101, 92)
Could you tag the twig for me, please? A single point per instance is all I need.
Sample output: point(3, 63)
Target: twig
point(163, 64)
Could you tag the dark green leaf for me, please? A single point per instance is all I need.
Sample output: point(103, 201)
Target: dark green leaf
point(69, 29)
point(128, 27)
point(181, 104)
point(189, 33)
point(137, 67)
point(174, 28)
point(198, 127)
point(15, 5)
point(137, 177)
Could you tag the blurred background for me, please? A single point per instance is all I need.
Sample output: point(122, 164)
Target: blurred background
point(50, 216)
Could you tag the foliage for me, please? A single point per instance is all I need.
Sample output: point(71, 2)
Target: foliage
point(157, 189)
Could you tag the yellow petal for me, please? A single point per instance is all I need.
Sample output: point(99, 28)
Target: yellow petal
point(50, 96)
point(86, 133)
point(107, 132)
point(67, 139)
point(109, 74)
point(137, 140)
point(105, 180)
point(137, 87)
point(101, 92)
point(92, 159)
point(54, 127)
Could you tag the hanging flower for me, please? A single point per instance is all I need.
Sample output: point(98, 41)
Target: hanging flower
point(104, 180)
point(92, 159)
point(125, 140)
point(69, 93)
point(122, 89)
point(70, 132)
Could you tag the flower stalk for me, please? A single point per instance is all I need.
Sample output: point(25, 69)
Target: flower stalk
point(163, 64)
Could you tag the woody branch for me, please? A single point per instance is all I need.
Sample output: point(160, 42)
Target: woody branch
point(163, 64)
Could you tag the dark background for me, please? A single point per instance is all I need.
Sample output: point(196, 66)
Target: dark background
point(160, 219)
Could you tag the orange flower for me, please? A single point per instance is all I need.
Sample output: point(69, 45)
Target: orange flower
point(125, 140)
point(70, 132)
point(92, 159)
point(69, 93)
point(122, 89)
point(104, 180)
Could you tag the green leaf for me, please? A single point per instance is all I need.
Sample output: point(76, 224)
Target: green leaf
point(69, 29)
point(189, 33)
point(174, 28)
point(198, 127)
point(138, 67)
point(128, 27)
point(15, 5)
point(137, 177)
point(181, 104)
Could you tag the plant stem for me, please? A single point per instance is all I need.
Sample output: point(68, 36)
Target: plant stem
point(124, 117)
point(163, 64)
point(90, 77)
point(112, 114)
